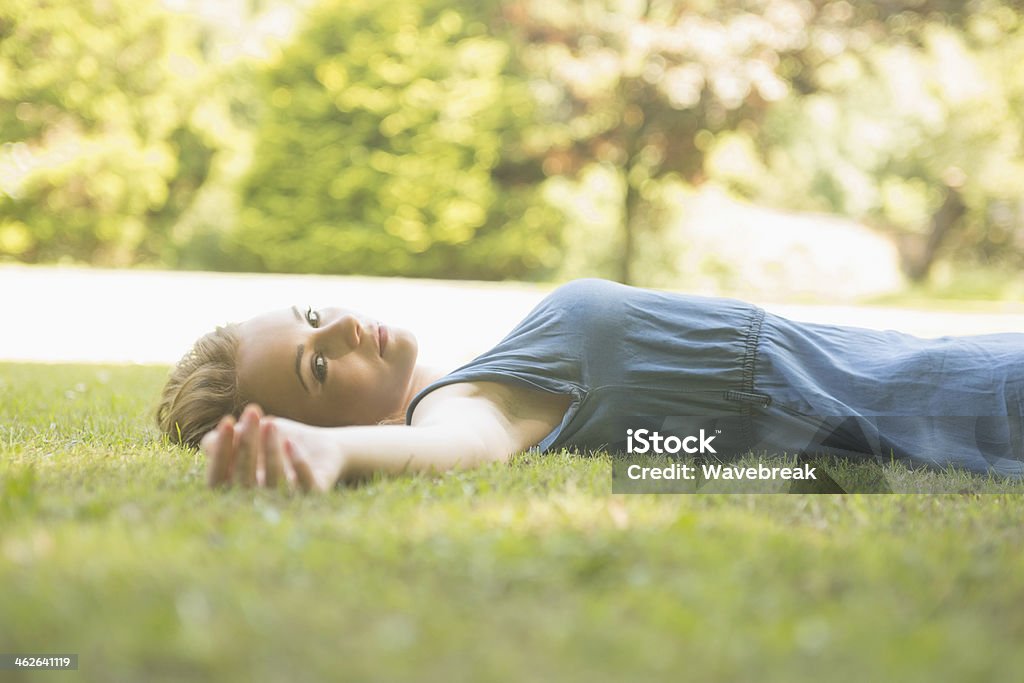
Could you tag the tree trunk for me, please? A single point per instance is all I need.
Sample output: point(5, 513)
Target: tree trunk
point(629, 222)
point(943, 220)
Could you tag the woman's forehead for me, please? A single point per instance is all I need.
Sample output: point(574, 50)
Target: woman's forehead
point(264, 341)
point(266, 364)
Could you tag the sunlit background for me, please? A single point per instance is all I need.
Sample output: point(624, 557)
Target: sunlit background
point(791, 149)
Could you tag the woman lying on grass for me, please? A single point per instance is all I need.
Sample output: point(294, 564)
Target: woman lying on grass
point(591, 361)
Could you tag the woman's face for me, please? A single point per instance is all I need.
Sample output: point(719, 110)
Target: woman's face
point(328, 367)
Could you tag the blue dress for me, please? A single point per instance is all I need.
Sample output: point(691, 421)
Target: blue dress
point(634, 358)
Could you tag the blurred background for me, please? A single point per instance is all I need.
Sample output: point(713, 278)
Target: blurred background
point(796, 149)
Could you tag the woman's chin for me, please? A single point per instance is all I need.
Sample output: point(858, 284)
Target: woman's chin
point(401, 345)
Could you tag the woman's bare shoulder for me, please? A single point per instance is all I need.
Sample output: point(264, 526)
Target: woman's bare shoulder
point(523, 415)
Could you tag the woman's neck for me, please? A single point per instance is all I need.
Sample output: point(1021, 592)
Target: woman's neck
point(422, 377)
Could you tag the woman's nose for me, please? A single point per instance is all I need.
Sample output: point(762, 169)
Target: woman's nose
point(340, 335)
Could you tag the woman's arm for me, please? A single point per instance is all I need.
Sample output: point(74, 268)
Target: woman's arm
point(461, 430)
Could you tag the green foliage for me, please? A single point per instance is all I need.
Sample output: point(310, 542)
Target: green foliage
point(384, 127)
point(112, 548)
point(640, 87)
point(904, 115)
point(891, 131)
point(544, 138)
point(102, 150)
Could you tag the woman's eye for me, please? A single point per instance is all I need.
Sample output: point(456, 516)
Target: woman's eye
point(312, 317)
point(320, 367)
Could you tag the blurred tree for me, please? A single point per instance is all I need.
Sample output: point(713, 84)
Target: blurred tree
point(919, 134)
point(662, 90)
point(378, 150)
point(102, 145)
point(644, 86)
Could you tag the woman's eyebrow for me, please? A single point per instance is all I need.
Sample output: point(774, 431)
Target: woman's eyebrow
point(298, 353)
point(298, 366)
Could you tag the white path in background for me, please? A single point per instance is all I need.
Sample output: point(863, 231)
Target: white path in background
point(83, 315)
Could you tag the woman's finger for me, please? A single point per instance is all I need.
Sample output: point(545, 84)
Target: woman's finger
point(218, 445)
point(273, 469)
point(248, 449)
point(303, 473)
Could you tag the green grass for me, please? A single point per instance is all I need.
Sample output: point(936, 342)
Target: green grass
point(111, 548)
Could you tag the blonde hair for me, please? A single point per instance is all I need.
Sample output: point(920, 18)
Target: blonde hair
point(202, 388)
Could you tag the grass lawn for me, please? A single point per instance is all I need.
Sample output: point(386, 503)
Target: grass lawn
point(111, 548)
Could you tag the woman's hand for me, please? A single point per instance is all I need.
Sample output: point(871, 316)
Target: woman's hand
point(270, 452)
